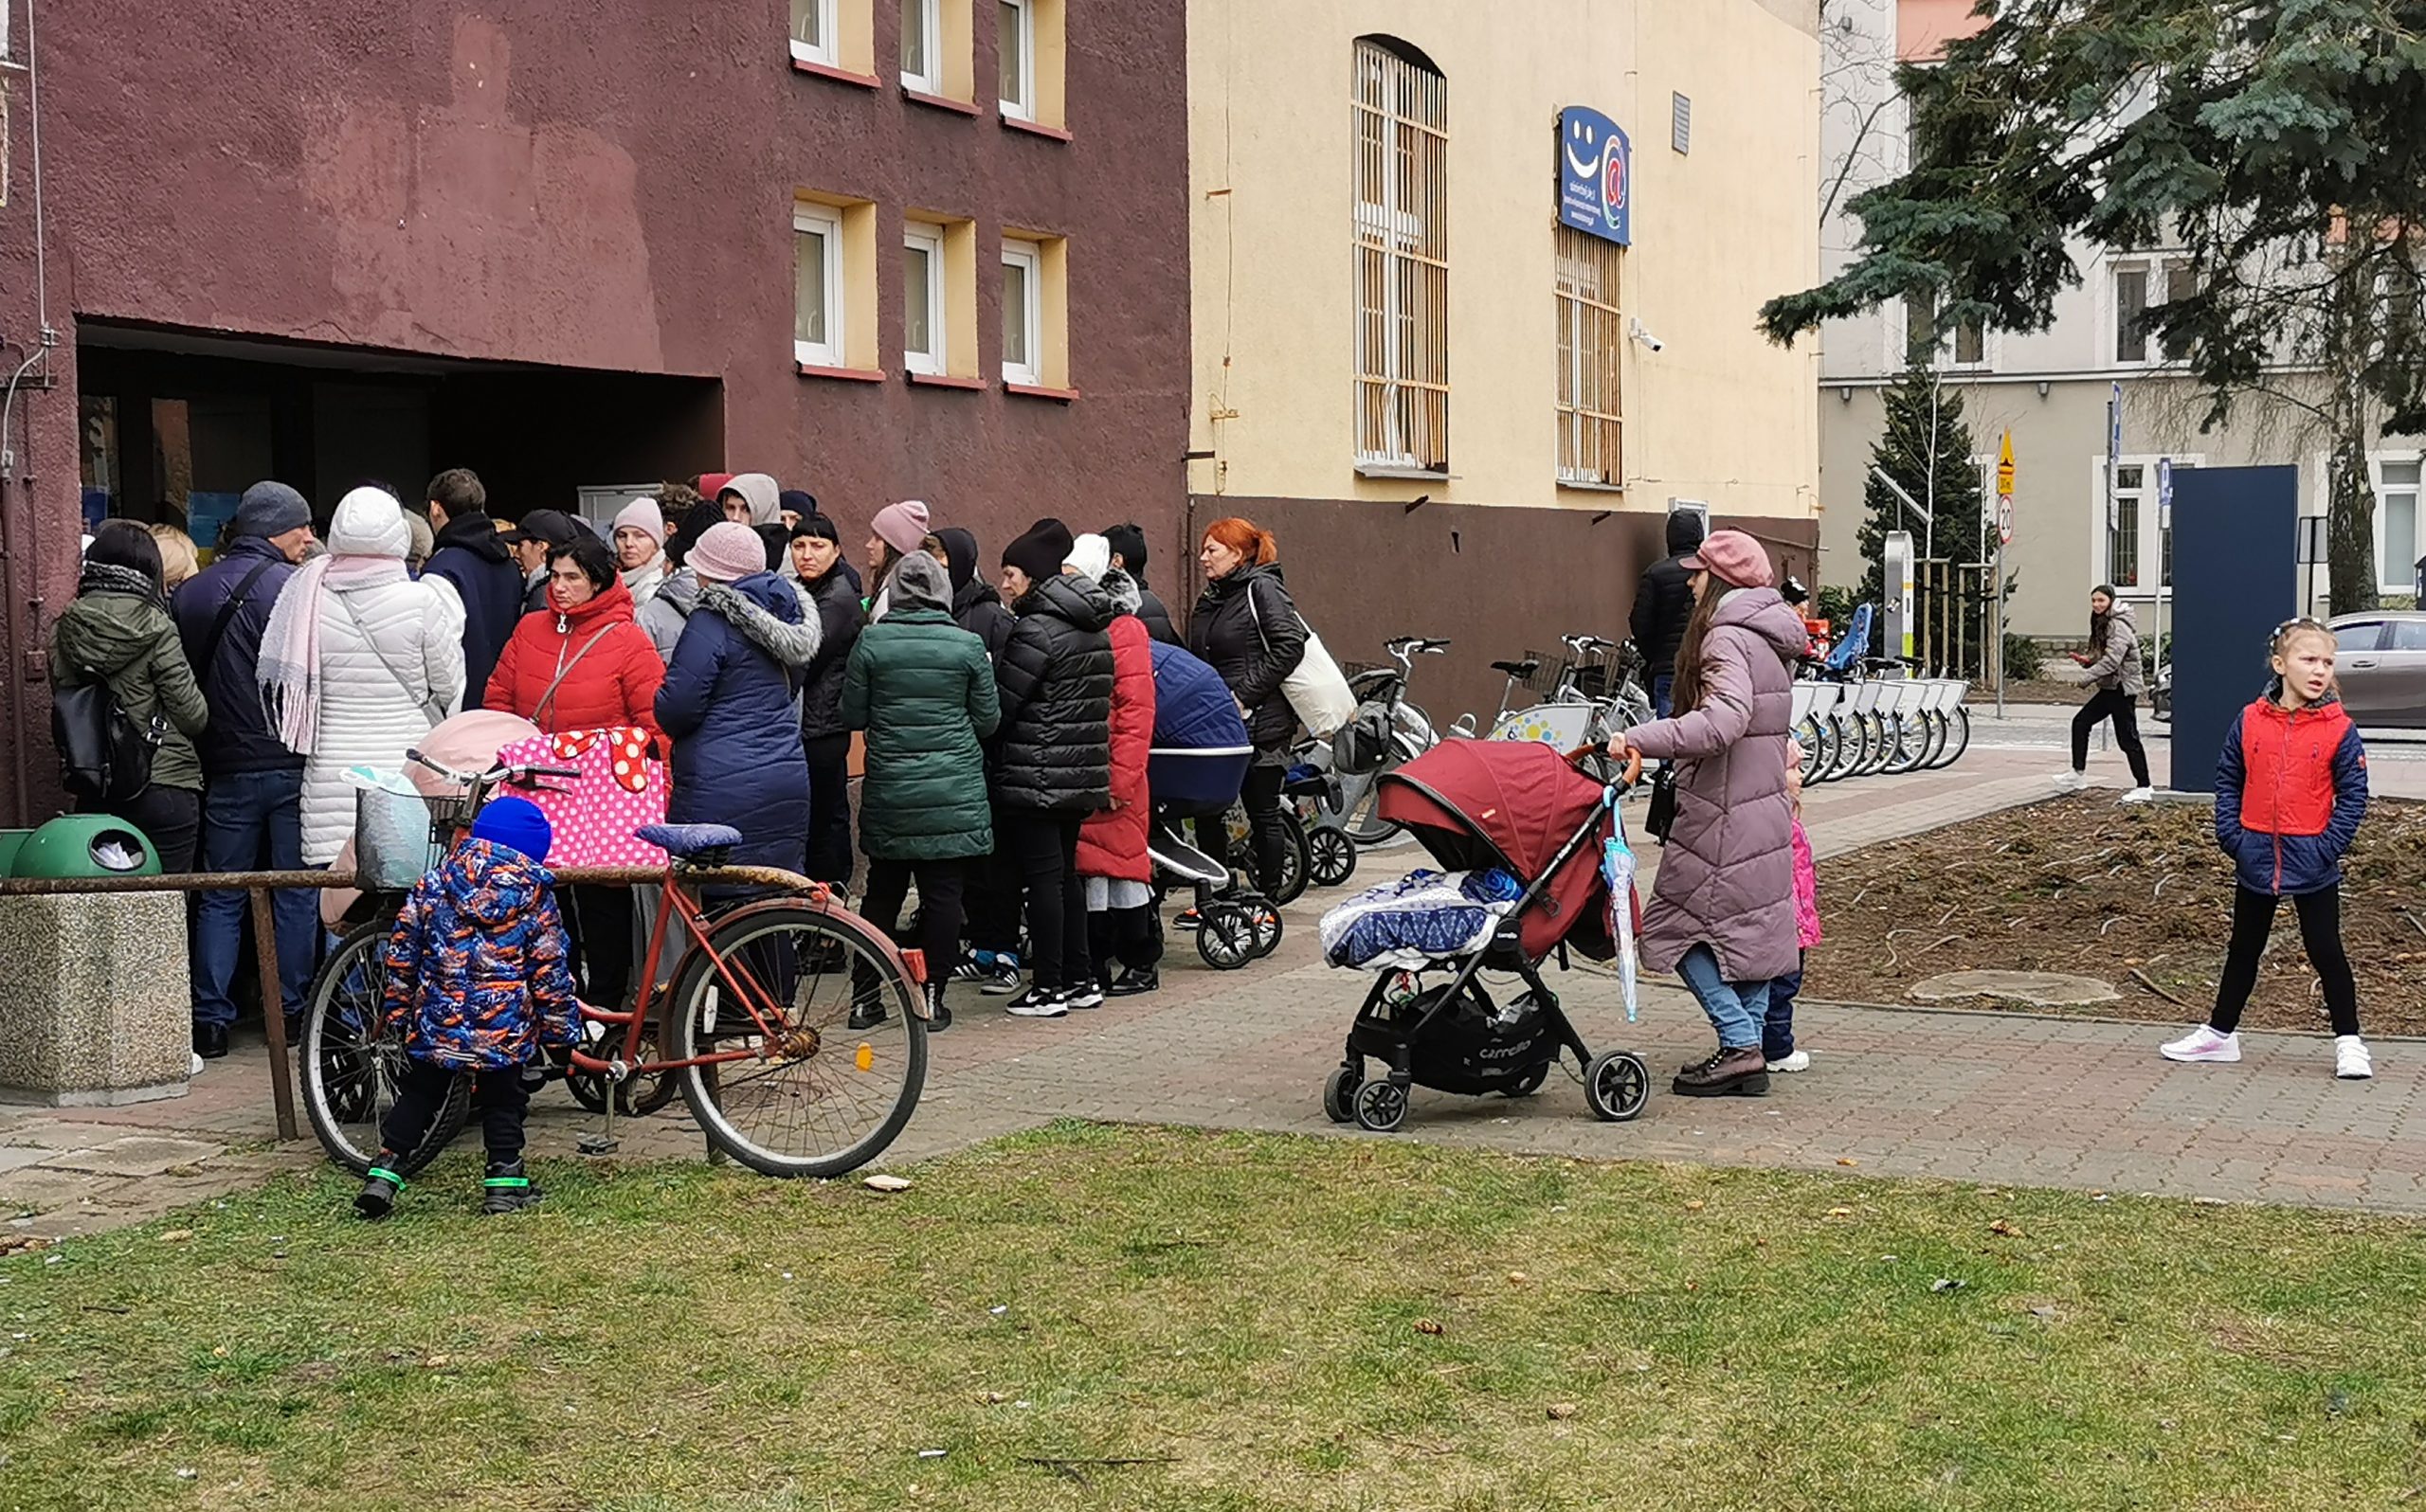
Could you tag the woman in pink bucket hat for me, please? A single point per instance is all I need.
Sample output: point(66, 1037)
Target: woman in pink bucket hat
point(1722, 909)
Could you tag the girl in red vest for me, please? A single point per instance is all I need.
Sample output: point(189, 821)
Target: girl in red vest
point(2291, 789)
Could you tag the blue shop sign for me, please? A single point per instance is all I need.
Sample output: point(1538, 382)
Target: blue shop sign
point(1594, 174)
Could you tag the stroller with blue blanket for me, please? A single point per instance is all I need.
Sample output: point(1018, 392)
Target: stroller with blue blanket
point(1194, 770)
point(1531, 835)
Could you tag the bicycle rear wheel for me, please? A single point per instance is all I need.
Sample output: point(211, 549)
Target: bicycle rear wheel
point(349, 1064)
point(817, 1097)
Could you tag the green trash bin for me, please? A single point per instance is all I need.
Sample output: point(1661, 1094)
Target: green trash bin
point(86, 845)
point(9, 842)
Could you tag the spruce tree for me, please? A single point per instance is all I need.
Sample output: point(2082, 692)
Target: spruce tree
point(1924, 437)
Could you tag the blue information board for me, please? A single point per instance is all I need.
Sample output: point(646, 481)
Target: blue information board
point(1595, 176)
point(2235, 577)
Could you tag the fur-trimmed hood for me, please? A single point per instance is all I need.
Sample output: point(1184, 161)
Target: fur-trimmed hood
point(747, 606)
point(1125, 592)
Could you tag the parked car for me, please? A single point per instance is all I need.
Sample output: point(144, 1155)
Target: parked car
point(2379, 659)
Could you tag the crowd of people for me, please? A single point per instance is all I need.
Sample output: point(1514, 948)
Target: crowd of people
point(1006, 717)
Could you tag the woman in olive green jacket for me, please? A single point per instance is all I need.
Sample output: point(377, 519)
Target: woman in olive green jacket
point(923, 688)
point(118, 631)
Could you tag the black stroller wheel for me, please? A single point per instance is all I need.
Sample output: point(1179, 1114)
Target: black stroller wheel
point(1380, 1106)
point(1615, 1085)
point(1268, 926)
point(1225, 938)
point(1296, 863)
point(1339, 1093)
point(1331, 856)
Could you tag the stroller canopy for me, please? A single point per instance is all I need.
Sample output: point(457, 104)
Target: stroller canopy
point(1508, 803)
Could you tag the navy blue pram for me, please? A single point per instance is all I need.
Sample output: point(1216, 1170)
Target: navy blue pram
point(1197, 764)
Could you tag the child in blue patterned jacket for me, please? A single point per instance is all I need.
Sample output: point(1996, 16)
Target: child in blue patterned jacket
point(477, 976)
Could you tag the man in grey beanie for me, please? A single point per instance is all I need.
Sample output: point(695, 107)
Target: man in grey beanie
point(252, 784)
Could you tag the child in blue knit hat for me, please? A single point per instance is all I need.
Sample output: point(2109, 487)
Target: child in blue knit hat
point(479, 978)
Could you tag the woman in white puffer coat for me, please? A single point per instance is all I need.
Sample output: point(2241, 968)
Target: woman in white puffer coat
point(359, 663)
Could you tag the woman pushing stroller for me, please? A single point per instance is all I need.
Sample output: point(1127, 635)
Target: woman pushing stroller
point(1722, 907)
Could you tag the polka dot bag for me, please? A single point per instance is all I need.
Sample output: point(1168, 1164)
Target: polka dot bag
point(621, 788)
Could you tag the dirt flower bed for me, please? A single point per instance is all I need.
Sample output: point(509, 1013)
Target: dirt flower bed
point(2137, 897)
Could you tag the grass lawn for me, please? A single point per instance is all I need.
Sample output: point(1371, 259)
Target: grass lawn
point(1101, 1318)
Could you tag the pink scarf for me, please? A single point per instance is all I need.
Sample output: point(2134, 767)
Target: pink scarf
point(289, 673)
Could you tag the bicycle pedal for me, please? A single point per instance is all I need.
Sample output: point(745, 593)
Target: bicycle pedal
point(594, 1144)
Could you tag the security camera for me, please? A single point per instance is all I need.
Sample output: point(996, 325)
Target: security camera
point(1642, 334)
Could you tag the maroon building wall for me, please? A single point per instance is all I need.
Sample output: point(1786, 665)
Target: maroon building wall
point(591, 184)
point(1494, 582)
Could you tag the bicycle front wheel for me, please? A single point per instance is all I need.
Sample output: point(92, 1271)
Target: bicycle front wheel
point(351, 1065)
point(829, 1058)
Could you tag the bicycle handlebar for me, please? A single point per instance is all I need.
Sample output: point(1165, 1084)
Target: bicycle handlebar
point(1585, 645)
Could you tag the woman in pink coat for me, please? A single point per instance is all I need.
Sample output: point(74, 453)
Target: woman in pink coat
point(1722, 909)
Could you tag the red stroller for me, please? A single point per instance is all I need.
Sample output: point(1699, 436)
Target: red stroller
point(1522, 807)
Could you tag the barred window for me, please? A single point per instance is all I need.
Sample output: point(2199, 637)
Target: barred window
point(1401, 223)
point(1590, 343)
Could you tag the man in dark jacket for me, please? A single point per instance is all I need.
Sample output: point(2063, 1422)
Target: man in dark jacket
point(1053, 756)
point(1128, 554)
point(474, 558)
point(1663, 603)
point(993, 890)
point(536, 537)
point(252, 784)
point(817, 561)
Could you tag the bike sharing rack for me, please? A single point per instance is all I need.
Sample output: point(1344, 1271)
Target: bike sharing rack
point(93, 1001)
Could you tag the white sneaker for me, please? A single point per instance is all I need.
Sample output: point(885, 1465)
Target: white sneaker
point(1038, 1003)
point(2071, 782)
point(2139, 795)
point(2350, 1060)
point(1798, 1061)
point(2204, 1044)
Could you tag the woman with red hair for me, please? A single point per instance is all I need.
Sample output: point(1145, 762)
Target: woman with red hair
point(1247, 628)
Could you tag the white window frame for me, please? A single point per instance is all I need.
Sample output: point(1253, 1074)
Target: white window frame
point(818, 52)
point(2407, 583)
point(2151, 585)
point(1899, 326)
point(1029, 259)
point(921, 237)
point(931, 25)
point(827, 222)
point(1022, 108)
point(1593, 345)
point(2158, 266)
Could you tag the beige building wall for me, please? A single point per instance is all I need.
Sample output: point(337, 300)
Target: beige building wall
point(1718, 414)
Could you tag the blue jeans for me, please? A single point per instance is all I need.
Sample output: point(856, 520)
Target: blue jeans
point(1660, 686)
point(1777, 1028)
point(250, 822)
point(1736, 1009)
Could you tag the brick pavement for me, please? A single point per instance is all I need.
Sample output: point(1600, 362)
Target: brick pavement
point(2001, 1098)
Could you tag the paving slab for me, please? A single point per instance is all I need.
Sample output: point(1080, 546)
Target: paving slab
point(134, 1155)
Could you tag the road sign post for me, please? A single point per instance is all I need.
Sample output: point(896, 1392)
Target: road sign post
point(2005, 538)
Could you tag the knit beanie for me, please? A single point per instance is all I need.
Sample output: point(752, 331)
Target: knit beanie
point(796, 501)
point(727, 553)
point(903, 526)
point(515, 823)
point(642, 515)
point(269, 508)
point(1040, 553)
point(1091, 554)
point(696, 521)
point(1129, 543)
point(424, 541)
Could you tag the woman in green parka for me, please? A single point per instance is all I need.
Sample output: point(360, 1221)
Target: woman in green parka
point(118, 631)
point(923, 690)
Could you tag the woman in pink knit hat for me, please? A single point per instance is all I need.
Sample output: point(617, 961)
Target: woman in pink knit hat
point(897, 531)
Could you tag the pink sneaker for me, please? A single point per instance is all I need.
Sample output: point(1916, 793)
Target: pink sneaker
point(2203, 1044)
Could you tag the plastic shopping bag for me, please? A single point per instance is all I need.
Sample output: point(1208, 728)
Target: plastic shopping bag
point(1618, 870)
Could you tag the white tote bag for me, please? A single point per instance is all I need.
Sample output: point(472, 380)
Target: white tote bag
point(1317, 689)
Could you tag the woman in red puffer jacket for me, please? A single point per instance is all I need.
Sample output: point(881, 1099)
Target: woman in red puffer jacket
point(583, 663)
point(1121, 921)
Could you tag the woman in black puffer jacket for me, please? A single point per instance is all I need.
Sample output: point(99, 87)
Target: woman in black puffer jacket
point(1052, 757)
point(1246, 628)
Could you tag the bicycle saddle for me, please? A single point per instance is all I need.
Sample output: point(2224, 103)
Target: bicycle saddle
point(698, 844)
point(1516, 669)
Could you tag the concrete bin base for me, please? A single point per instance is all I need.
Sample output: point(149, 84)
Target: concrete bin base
point(95, 1007)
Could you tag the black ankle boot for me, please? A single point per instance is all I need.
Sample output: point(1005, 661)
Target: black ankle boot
point(938, 1017)
point(867, 1007)
point(507, 1187)
point(380, 1189)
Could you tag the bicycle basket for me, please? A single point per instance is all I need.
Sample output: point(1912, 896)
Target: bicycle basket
point(391, 838)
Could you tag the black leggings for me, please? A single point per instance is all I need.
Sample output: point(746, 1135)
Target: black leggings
point(504, 1103)
point(939, 888)
point(603, 934)
point(1131, 937)
point(1266, 833)
point(829, 808)
point(2124, 711)
point(2320, 932)
point(1044, 847)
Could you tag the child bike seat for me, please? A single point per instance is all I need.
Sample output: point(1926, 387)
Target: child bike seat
point(697, 844)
